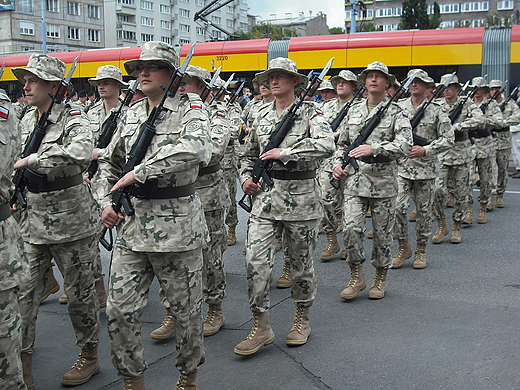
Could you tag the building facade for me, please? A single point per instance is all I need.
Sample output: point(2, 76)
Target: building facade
point(301, 25)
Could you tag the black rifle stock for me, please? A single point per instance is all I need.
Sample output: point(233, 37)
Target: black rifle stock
point(419, 115)
point(344, 110)
point(511, 96)
point(485, 105)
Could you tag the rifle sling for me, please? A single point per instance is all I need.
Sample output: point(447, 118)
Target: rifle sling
point(460, 136)
point(5, 211)
point(480, 133)
point(295, 175)
point(501, 130)
point(68, 182)
point(210, 169)
point(149, 190)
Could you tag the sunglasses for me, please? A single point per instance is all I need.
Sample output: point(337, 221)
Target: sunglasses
point(150, 68)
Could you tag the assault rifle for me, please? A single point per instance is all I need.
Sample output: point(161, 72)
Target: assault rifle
point(109, 128)
point(234, 95)
point(344, 110)
point(121, 197)
point(207, 87)
point(485, 105)
point(222, 89)
point(454, 115)
point(416, 119)
point(368, 128)
point(511, 96)
point(21, 178)
point(261, 167)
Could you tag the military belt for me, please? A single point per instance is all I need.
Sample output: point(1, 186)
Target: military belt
point(501, 130)
point(211, 169)
point(150, 191)
point(56, 185)
point(5, 211)
point(373, 160)
point(460, 136)
point(295, 175)
point(479, 133)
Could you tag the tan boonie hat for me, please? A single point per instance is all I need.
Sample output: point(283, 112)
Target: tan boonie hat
point(346, 75)
point(219, 83)
point(421, 75)
point(495, 84)
point(447, 76)
point(325, 84)
point(108, 72)
point(475, 81)
point(131, 85)
point(198, 72)
point(379, 66)
point(42, 66)
point(256, 85)
point(282, 64)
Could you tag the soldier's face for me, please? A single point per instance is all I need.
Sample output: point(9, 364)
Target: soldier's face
point(108, 88)
point(417, 87)
point(282, 83)
point(450, 93)
point(152, 76)
point(37, 90)
point(265, 92)
point(376, 82)
point(327, 94)
point(344, 88)
point(194, 86)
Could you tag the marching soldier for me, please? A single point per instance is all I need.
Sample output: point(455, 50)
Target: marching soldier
point(326, 92)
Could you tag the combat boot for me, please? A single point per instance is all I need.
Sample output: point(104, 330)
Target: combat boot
point(261, 334)
point(27, 371)
point(343, 254)
point(231, 236)
point(403, 252)
point(442, 231)
point(413, 216)
point(491, 204)
point(278, 245)
point(482, 214)
point(285, 278)
point(320, 226)
point(186, 382)
point(468, 219)
point(356, 284)
point(167, 328)
point(63, 299)
point(420, 257)
point(451, 200)
point(101, 293)
point(500, 201)
point(300, 330)
point(332, 246)
point(85, 368)
point(378, 289)
point(455, 233)
point(370, 234)
point(134, 383)
point(51, 286)
point(369, 213)
point(214, 320)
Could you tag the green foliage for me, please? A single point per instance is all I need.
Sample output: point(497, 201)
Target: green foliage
point(415, 15)
point(336, 30)
point(435, 20)
point(369, 27)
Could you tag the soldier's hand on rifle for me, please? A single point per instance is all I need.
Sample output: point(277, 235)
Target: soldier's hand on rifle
point(417, 151)
point(339, 172)
point(126, 180)
point(23, 163)
point(273, 154)
point(95, 152)
point(110, 218)
point(361, 151)
point(249, 187)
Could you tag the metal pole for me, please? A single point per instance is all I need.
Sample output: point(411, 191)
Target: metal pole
point(44, 28)
point(353, 17)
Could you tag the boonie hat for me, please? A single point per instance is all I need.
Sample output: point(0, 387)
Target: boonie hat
point(346, 75)
point(108, 72)
point(198, 72)
point(42, 66)
point(377, 66)
point(495, 84)
point(447, 76)
point(256, 85)
point(475, 81)
point(284, 65)
point(325, 84)
point(421, 75)
point(219, 83)
point(131, 85)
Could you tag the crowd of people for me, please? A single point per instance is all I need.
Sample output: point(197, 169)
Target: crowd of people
point(179, 144)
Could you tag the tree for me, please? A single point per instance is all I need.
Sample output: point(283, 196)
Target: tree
point(336, 30)
point(415, 15)
point(435, 20)
point(369, 27)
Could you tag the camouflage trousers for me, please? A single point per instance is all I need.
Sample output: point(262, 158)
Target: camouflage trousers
point(331, 200)
point(422, 192)
point(459, 176)
point(75, 260)
point(515, 149)
point(354, 226)
point(300, 239)
point(11, 377)
point(180, 277)
point(485, 172)
point(231, 177)
point(502, 164)
point(213, 274)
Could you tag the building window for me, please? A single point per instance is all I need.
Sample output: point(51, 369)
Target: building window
point(184, 27)
point(27, 48)
point(167, 40)
point(93, 12)
point(183, 41)
point(73, 8)
point(243, 13)
point(148, 5)
point(216, 34)
point(475, 6)
point(93, 35)
point(166, 9)
point(146, 37)
point(26, 27)
point(53, 31)
point(478, 23)
point(200, 31)
point(243, 26)
point(74, 33)
point(123, 18)
point(126, 35)
point(146, 21)
point(216, 20)
point(127, 2)
point(505, 5)
point(390, 27)
point(230, 23)
point(448, 8)
point(448, 24)
point(166, 24)
point(185, 1)
point(26, 6)
point(230, 9)
point(52, 5)
point(199, 3)
point(185, 13)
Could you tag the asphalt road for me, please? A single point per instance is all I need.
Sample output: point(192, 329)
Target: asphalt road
point(452, 325)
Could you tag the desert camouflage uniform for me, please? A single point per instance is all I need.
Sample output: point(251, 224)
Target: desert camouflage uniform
point(484, 150)
point(62, 224)
point(416, 176)
point(290, 205)
point(19, 109)
point(250, 111)
point(457, 162)
point(230, 163)
point(78, 105)
point(13, 263)
point(375, 184)
point(165, 236)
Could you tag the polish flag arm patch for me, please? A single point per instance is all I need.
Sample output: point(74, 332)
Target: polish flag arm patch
point(195, 105)
point(75, 112)
point(4, 112)
point(405, 114)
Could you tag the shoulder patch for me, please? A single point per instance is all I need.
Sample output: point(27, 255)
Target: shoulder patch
point(405, 114)
point(444, 110)
point(75, 112)
point(195, 105)
point(4, 112)
point(222, 114)
point(318, 111)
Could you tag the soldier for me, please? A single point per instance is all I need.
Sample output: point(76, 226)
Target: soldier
point(503, 141)
point(375, 184)
point(13, 263)
point(62, 221)
point(165, 235)
point(291, 205)
point(20, 106)
point(326, 92)
point(418, 171)
point(81, 103)
point(456, 162)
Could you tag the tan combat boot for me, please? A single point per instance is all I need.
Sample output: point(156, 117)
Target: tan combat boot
point(468, 219)
point(214, 320)
point(343, 254)
point(186, 382)
point(51, 286)
point(442, 231)
point(167, 328)
point(231, 236)
point(482, 214)
point(134, 383)
point(370, 234)
point(491, 204)
point(377, 291)
point(451, 200)
point(261, 334)
point(356, 284)
point(285, 281)
point(278, 245)
point(369, 213)
point(332, 246)
point(403, 252)
point(101, 293)
point(500, 201)
point(320, 226)
point(27, 371)
point(455, 233)
point(85, 368)
point(63, 299)
point(300, 330)
point(413, 216)
point(420, 257)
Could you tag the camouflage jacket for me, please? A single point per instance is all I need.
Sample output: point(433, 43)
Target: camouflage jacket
point(391, 139)
point(19, 109)
point(230, 159)
point(469, 119)
point(211, 187)
point(97, 118)
point(435, 126)
point(250, 110)
point(66, 150)
point(484, 147)
point(308, 140)
point(180, 146)
point(13, 266)
point(511, 115)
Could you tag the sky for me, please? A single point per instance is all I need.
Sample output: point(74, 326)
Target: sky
point(334, 9)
